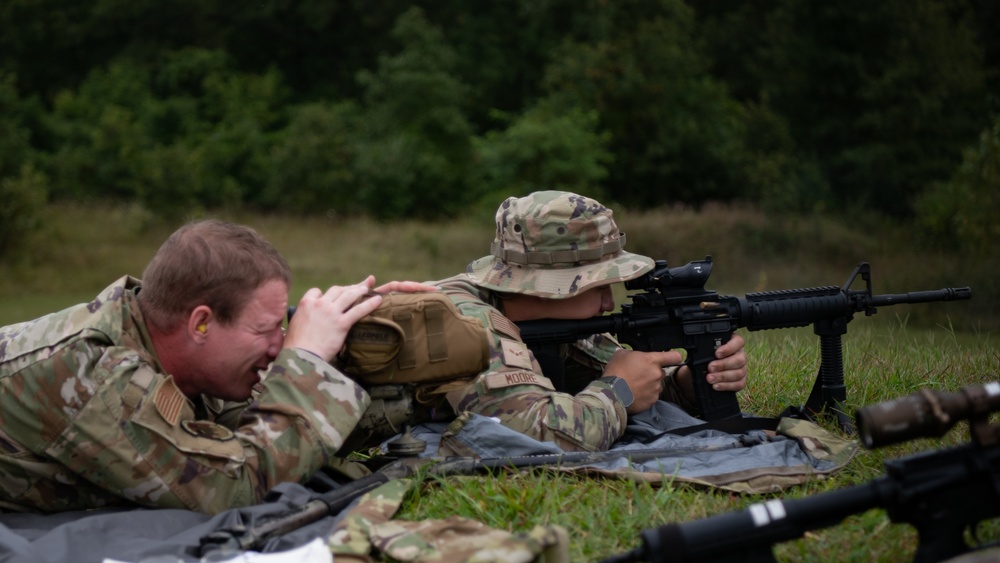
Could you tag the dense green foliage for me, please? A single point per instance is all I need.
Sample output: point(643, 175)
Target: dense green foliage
point(423, 109)
point(22, 188)
point(964, 209)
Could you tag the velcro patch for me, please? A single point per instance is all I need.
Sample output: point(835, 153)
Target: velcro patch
point(515, 354)
point(503, 325)
point(169, 402)
point(374, 335)
point(207, 429)
point(509, 379)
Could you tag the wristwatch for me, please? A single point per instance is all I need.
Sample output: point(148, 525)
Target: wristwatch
point(621, 389)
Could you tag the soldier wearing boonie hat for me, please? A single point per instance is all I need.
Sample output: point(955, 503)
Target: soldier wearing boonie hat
point(552, 248)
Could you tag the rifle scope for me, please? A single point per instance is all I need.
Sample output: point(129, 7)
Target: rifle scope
point(692, 275)
point(924, 414)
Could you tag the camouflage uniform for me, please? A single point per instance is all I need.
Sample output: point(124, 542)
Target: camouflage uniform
point(88, 418)
point(554, 245)
point(369, 524)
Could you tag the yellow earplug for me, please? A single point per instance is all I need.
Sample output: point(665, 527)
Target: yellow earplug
point(202, 328)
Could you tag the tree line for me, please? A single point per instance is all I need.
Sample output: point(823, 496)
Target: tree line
point(431, 108)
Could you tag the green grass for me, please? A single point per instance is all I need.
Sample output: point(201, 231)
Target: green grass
point(901, 349)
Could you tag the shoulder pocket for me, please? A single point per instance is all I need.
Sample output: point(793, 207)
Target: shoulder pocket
point(208, 443)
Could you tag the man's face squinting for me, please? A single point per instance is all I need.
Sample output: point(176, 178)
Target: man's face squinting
point(235, 353)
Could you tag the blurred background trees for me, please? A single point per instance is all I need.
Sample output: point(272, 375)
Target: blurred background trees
point(429, 109)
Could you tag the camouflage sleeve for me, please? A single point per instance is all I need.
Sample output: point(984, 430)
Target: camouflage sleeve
point(139, 439)
point(514, 390)
point(672, 393)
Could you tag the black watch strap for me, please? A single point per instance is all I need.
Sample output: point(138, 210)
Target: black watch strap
point(621, 389)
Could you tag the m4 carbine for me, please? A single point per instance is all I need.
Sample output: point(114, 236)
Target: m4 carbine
point(673, 310)
point(941, 493)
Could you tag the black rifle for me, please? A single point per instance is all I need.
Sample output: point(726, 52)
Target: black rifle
point(940, 493)
point(674, 310)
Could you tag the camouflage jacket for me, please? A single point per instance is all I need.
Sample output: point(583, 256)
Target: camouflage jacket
point(88, 418)
point(514, 390)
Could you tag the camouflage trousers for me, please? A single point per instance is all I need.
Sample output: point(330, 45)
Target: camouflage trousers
point(367, 532)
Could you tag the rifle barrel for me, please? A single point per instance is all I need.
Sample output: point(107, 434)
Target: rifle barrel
point(946, 294)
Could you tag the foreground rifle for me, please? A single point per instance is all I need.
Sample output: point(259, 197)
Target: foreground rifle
point(674, 310)
point(940, 493)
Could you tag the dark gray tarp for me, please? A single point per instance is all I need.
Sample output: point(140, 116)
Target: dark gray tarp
point(134, 534)
point(709, 457)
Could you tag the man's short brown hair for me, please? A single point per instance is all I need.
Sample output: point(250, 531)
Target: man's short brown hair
point(208, 262)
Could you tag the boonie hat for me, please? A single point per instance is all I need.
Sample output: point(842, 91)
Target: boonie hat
point(555, 244)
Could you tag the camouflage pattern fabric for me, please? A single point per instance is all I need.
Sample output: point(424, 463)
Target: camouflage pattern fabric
point(88, 419)
point(349, 539)
point(556, 244)
point(457, 539)
point(514, 390)
point(451, 540)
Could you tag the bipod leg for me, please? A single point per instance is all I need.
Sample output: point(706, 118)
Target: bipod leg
point(829, 392)
point(822, 399)
point(833, 390)
point(829, 400)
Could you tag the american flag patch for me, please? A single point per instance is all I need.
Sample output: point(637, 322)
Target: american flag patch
point(169, 402)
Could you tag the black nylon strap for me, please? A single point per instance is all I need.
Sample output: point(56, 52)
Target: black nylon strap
point(728, 425)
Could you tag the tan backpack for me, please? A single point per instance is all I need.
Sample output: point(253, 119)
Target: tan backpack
point(415, 338)
point(407, 354)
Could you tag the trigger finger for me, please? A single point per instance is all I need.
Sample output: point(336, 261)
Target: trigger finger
point(672, 358)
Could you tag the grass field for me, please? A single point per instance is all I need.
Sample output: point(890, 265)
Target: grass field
point(901, 349)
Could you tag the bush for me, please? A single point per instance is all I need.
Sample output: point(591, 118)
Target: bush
point(192, 133)
point(23, 197)
point(311, 161)
point(415, 143)
point(778, 177)
point(965, 211)
point(675, 132)
point(23, 190)
point(543, 149)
